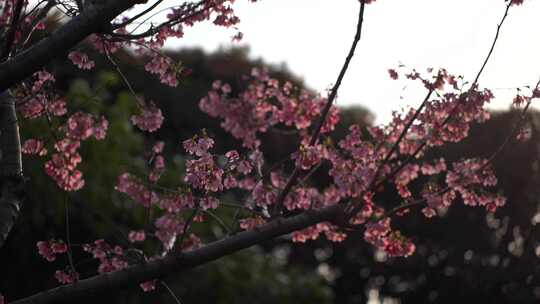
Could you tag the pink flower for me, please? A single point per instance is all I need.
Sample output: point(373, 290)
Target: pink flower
point(42, 78)
point(57, 107)
point(251, 223)
point(59, 247)
point(49, 249)
point(149, 120)
point(209, 202)
point(66, 277)
point(129, 185)
point(164, 67)
point(81, 60)
point(34, 146)
point(308, 156)
point(81, 126)
point(204, 173)
point(136, 236)
point(158, 147)
point(198, 146)
point(62, 165)
point(148, 286)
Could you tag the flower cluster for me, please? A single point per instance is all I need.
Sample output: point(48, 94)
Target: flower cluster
point(165, 68)
point(149, 120)
point(40, 104)
point(110, 258)
point(157, 162)
point(62, 165)
point(34, 146)
point(380, 235)
point(66, 276)
point(81, 126)
point(264, 104)
point(81, 60)
point(203, 172)
point(331, 232)
point(470, 178)
point(49, 249)
point(138, 192)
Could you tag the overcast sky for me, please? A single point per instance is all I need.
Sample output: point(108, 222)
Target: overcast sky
point(312, 38)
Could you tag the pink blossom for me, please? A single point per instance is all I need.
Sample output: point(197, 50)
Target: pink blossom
point(164, 67)
point(110, 258)
point(32, 108)
point(136, 236)
point(149, 120)
point(131, 186)
point(49, 249)
point(308, 156)
point(42, 77)
point(436, 168)
point(68, 277)
point(168, 227)
point(81, 126)
point(251, 223)
point(198, 146)
point(158, 147)
point(62, 165)
point(209, 202)
point(148, 286)
point(34, 146)
point(57, 107)
point(204, 173)
point(81, 60)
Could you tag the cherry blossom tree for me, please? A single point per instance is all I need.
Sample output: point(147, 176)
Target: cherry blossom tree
point(275, 200)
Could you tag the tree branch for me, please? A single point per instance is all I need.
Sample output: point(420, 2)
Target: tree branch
point(12, 30)
point(175, 263)
point(333, 94)
point(31, 60)
point(11, 181)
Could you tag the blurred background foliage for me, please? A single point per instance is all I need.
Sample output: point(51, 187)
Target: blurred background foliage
point(465, 255)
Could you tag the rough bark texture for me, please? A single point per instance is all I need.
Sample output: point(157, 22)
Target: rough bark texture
point(11, 180)
point(175, 264)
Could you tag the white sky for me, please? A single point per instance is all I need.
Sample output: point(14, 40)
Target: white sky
point(313, 36)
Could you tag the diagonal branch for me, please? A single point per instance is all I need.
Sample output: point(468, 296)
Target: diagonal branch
point(176, 263)
point(31, 60)
point(333, 94)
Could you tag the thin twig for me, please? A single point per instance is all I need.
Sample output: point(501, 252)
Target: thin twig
point(219, 220)
point(452, 111)
point(130, 20)
point(333, 93)
point(68, 235)
point(171, 292)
